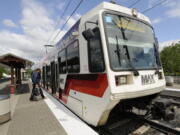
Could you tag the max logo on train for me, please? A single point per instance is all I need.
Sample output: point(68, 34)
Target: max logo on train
point(147, 79)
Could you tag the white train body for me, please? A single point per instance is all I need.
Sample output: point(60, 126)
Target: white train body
point(94, 80)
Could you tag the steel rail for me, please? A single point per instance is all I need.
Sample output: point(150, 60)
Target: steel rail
point(175, 99)
point(176, 103)
point(170, 96)
point(162, 127)
point(167, 129)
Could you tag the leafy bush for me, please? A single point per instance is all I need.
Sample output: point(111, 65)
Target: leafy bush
point(2, 70)
point(170, 57)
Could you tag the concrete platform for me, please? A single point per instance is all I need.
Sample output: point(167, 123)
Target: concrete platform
point(42, 117)
point(30, 118)
point(72, 124)
point(175, 86)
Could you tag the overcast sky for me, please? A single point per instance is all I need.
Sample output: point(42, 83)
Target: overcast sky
point(26, 25)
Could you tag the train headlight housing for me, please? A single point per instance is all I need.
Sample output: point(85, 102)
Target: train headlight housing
point(160, 75)
point(120, 80)
point(134, 12)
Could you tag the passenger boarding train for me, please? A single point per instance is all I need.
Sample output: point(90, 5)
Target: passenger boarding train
point(109, 58)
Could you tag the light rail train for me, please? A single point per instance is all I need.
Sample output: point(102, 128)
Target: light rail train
point(108, 59)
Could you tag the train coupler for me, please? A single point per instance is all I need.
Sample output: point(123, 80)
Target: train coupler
point(163, 109)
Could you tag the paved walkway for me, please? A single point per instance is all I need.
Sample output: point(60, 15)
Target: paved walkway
point(31, 118)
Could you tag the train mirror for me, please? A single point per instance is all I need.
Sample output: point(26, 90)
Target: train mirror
point(88, 34)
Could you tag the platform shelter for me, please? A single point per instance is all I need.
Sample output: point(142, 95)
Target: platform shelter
point(16, 63)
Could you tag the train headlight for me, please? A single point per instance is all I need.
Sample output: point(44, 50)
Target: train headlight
point(121, 79)
point(160, 75)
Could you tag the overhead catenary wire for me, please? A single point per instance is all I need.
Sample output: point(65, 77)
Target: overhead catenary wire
point(137, 1)
point(68, 19)
point(158, 4)
point(60, 19)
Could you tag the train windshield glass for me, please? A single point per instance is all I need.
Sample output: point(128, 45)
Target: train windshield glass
point(130, 42)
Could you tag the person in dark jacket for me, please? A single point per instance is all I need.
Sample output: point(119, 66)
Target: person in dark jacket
point(36, 78)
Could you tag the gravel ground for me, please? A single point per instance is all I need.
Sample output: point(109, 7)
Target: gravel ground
point(175, 123)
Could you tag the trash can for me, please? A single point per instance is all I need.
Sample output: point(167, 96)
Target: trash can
point(169, 80)
point(12, 88)
point(5, 113)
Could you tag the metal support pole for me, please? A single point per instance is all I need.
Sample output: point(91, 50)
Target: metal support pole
point(12, 75)
point(12, 85)
point(16, 75)
point(19, 76)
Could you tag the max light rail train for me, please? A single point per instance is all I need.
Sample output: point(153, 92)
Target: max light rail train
point(108, 59)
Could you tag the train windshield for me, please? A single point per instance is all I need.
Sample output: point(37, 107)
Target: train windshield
point(131, 43)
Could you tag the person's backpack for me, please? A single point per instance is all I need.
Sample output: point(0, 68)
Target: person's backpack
point(36, 91)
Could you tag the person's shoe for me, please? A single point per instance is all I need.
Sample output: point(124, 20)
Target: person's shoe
point(43, 97)
point(33, 99)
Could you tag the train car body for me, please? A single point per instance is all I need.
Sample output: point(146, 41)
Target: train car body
point(109, 56)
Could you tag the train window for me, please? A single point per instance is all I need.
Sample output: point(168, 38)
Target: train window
point(62, 61)
point(96, 62)
point(44, 76)
point(73, 65)
point(48, 75)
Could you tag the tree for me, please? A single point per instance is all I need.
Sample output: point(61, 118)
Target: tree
point(2, 70)
point(170, 57)
point(29, 71)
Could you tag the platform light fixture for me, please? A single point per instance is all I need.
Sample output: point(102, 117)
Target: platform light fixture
point(134, 12)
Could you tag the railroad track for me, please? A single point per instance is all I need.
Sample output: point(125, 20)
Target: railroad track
point(174, 101)
point(167, 129)
point(171, 94)
point(126, 127)
point(170, 97)
point(174, 95)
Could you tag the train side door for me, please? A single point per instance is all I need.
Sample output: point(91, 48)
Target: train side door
point(57, 77)
point(62, 69)
point(53, 77)
point(48, 74)
point(44, 76)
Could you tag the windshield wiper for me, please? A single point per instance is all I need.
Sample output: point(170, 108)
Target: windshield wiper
point(123, 33)
point(135, 71)
point(118, 51)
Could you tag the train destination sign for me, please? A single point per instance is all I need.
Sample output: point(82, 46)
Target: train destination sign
point(129, 25)
point(125, 23)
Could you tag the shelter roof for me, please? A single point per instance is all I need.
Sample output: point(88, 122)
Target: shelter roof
point(15, 61)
